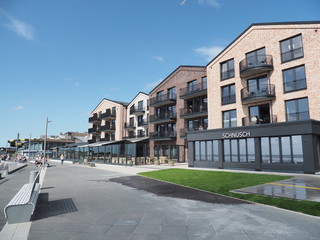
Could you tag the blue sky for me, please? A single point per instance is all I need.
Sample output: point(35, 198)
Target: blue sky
point(60, 58)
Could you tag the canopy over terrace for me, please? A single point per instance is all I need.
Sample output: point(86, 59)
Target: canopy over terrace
point(108, 151)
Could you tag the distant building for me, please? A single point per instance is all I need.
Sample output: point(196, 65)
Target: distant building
point(107, 121)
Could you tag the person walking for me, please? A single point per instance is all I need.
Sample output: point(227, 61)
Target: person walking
point(62, 159)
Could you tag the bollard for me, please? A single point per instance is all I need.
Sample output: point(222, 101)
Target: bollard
point(33, 175)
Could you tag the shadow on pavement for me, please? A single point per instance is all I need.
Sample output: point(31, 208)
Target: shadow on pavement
point(171, 190)
point(45, 208)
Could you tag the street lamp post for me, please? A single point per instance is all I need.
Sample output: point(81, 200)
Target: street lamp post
point(45, 142)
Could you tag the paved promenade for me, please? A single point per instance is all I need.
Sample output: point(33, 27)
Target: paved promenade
point(111, 202)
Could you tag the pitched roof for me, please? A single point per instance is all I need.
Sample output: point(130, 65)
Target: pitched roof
point(178, 68)
point(263, 24)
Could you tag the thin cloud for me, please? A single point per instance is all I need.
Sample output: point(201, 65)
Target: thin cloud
point(22, 29)
point(158, 58)
point(209, 52)
point(71, 81)
point(212, 3)
point(152, 85)
point(18, 108)
point(68, 79)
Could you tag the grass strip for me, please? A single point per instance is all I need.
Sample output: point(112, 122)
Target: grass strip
point(223, 182)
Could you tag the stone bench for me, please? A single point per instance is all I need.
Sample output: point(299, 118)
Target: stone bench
point(22, 205)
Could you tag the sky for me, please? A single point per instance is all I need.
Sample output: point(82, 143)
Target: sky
point(59, 59)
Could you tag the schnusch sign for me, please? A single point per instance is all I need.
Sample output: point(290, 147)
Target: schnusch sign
point(236, 135)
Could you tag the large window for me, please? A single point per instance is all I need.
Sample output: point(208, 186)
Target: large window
point(297, 109)
point(160, 96)
point(228, 94)
point(207, 151)
point(192, 86)
point(229, 118)
point(140, 105)
point(227, 69)
point(291, 48)
point(256, 58)
point(294, 79)
point(282, 150)
point(239, 150)
point(193, 125)
point(204, 83)
point(258, 86)
point(172, 93)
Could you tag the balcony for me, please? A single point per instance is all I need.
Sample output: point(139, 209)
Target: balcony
point(108, 115)
point(108, 128)
point(255, 65)
point(247, 121)
point(196, 91)
point(162, 136)
point(264, 93)
point(137, 111)
point(200, 111)
point(144, 123)
point(94, 119)
point(93, 130)
point(162, 118)
point(129, 125)
point(162, 100)
point(134, 135)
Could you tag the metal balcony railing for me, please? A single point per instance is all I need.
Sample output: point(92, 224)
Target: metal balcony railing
point(193, 110)
point(193, 90)
point(129, 125)
point(163, 99)
point(247, 121)
point(94, 118)
point(108, 114)
point(108, 128)
point(163, 134)
point(163, 117)
point(135, 110)
point(261, 92)
point(255, 64)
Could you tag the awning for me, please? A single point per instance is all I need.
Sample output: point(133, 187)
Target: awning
point(135, 140)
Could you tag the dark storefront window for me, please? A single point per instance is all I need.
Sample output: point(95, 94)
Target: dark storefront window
point(206, 151)
point(239, 150)
point(226, 150)
point(297, 109)
point(282, 150)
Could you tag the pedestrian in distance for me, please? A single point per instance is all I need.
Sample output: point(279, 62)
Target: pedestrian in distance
point(62, 159)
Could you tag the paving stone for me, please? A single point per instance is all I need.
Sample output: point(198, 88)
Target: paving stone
point(148, 229)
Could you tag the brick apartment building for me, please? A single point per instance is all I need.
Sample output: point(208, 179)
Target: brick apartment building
point(137, 119)
point(268, 80)
point(106, 121)
point(177, 104)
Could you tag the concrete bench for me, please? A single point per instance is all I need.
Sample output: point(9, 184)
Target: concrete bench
point(22, 205)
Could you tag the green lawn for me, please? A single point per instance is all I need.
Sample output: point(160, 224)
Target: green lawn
point(223, 182)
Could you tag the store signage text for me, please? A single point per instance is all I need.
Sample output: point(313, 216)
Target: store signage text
point(236, 135)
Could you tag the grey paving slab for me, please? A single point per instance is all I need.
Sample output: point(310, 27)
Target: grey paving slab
point(78, 202)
